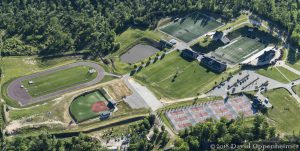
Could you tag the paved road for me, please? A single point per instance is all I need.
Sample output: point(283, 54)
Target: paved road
point(141, 97)
point(19, 94)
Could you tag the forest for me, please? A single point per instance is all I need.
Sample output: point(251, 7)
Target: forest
point(30, 27)
point(217, 134)
point(46, 141)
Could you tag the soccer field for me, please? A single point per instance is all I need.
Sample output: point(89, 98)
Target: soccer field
point(59, 80)
point(82, 107)
point(191, 27)
point(239, 49)
point(191, 77)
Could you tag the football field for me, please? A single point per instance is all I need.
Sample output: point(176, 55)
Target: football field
point(59, 80)
point(191, 27)
point(239, 49)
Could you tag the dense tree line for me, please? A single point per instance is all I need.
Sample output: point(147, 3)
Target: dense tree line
point(138, 136)
point(48, 142)
point(72, 26)
point(202, 136)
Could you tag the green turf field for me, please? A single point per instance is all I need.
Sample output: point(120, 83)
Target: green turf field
point(239, 49)
point(191, 27)
point(58, 80)
point(285, 107)
point(80, 108)
point(191, 78)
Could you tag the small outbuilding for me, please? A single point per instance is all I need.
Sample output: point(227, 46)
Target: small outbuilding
point(219, 35)
point(173, 41)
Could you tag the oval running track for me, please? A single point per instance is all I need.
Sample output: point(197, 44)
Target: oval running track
point(19, 94)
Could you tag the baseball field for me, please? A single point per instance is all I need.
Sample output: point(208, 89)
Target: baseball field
point(89, 105)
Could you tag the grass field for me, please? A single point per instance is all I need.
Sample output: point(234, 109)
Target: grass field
point(28, 65)
point(58, 80)
point(191, 27)
point(285, 114)
point(81, 109)
point(279, 74)
point(239, 49)
point(296, 89)
point(191, 78)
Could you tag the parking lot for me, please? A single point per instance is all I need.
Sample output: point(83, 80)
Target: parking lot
point(242, 82)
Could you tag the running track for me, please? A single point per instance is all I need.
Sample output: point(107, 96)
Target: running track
point(19, 94)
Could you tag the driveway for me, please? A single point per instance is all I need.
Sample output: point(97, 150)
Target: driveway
point(19, 94)
point(141, 97)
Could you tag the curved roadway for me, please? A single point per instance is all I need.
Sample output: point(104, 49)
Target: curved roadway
point(19, 94)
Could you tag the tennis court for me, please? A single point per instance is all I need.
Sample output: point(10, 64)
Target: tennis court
point(89, 105)
point(239, 49)
point(191, 27)
point(184, 117)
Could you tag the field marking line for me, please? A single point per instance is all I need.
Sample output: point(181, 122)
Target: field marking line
point(283, 74)
point(236, 40)
point(250, 54)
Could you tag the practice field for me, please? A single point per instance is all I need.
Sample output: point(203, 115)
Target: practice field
point(239, 49)
point(138, 53)
point(191, 27)
point(191, 78)
point(49, 83)
point(89, 105)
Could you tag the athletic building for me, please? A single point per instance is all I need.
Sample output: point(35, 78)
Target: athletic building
point(213, 65)
point(189, 54)
point(219, 35)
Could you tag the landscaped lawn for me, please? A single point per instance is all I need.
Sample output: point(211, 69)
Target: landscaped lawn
point(191, 78)
point(296, 89)
point(295, 65)
point(290, 75)
point(58, 80)
point(279, 74)
point(286, 111)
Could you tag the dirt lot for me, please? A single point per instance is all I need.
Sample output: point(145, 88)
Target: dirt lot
point(117, 90)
